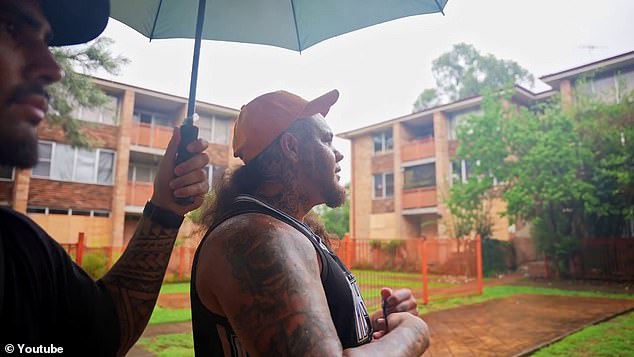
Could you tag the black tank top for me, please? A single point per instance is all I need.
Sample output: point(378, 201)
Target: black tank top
point(214, 336)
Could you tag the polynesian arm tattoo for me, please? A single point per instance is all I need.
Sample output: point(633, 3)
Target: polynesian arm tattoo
point(135, 280)
point(278, 305)
point(275, 302)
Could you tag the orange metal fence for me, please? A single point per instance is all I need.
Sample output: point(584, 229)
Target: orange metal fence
point(434, 269)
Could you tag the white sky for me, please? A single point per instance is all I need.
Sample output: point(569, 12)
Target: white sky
point(380, 70)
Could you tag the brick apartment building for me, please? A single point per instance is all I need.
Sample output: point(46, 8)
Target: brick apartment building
point(102, 191)
point(402, 168)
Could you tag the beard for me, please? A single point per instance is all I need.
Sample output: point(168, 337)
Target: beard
point(334, 196)
point(18, 150)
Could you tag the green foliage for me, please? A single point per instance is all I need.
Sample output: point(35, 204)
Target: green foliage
point(336, 220)
point(495, 255)
point(465, 72)
point(76, 88)
point(95, 264)
point(566, 169)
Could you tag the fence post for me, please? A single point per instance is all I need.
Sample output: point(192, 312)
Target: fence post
point(479, 262)
point(109, 255)
point(348, 247)
point(422, 246)
point(181, 263)
point(81, 240)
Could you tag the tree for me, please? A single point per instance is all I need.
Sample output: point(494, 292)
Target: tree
point(568, 170)
point(336, 220)
point(76, 88)
point(465, 72)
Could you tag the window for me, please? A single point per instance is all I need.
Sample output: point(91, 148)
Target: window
point(144, 117)
point(607, 88)
point(6, 173)
point(106, 114)
point(383, 141)
point(383, 185)
point(215, 174)
point(455, 119)
point(66, 211)
point(63, 162)
point(141, 173)
point(420, 176)
point(461, 171)
point(214, 129)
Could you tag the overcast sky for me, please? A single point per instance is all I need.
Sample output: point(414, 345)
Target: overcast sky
point(380, 70)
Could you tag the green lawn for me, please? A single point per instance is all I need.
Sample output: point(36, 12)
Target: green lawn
point(173, 288)
point(161, 315)
point(613, 338)
point(172, 345)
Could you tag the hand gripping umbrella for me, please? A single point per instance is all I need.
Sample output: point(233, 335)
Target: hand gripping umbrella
point(291, 24)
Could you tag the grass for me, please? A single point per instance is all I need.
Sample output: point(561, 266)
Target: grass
point(161, 315)
point(175, 288)
point(176, 345)
point(502, 291)
point(614, 337)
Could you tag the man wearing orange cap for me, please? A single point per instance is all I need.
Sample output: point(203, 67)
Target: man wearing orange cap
point(263, 282)
point(48, 304)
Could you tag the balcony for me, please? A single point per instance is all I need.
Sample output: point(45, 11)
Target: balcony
point(138, 193)
point(419, 197)
point(153, 136)
point(418, 149)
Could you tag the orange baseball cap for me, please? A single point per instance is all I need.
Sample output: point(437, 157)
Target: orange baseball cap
point(266, 117)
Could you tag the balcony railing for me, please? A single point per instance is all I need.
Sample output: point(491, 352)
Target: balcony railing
point(418, 149)
point(138, 193)
point(154, 136)
point(419, 197)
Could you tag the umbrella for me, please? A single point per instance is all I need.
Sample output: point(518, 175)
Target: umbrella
point(294, 24)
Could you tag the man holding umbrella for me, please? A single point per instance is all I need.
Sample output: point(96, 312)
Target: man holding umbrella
point(47, 302)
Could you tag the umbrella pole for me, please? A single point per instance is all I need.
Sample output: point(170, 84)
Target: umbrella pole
point(188, 131)
point(191, 104)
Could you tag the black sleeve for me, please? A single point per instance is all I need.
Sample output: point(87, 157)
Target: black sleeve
point(91, 317)
point(47, 298)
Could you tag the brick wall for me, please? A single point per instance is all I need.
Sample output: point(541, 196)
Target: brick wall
point(383, 163)
point(6, 190)
point(361, 195)
point(218, 154)
point(59, 194)
point(103, 136)
point(382, 206)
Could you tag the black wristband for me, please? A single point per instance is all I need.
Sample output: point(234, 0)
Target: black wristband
point(162, 216)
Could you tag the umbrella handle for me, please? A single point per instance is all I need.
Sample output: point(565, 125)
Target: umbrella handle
point(189, 134)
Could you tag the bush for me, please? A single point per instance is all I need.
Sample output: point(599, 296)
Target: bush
point(497, 257)
point(95, 264)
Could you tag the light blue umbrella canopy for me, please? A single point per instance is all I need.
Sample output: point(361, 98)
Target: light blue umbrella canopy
point(292, 24)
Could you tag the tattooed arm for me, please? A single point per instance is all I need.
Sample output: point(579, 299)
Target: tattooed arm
point(265, 278)
point(135, 280)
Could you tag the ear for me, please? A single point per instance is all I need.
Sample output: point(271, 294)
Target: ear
point(290, 147)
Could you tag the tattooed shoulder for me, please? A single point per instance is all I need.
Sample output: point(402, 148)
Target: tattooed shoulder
point(277, 304)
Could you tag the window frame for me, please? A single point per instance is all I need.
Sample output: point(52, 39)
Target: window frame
point(9, 179)
point(79, 112)
point(383, 185)
point(383, 137)
point(97, 153)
